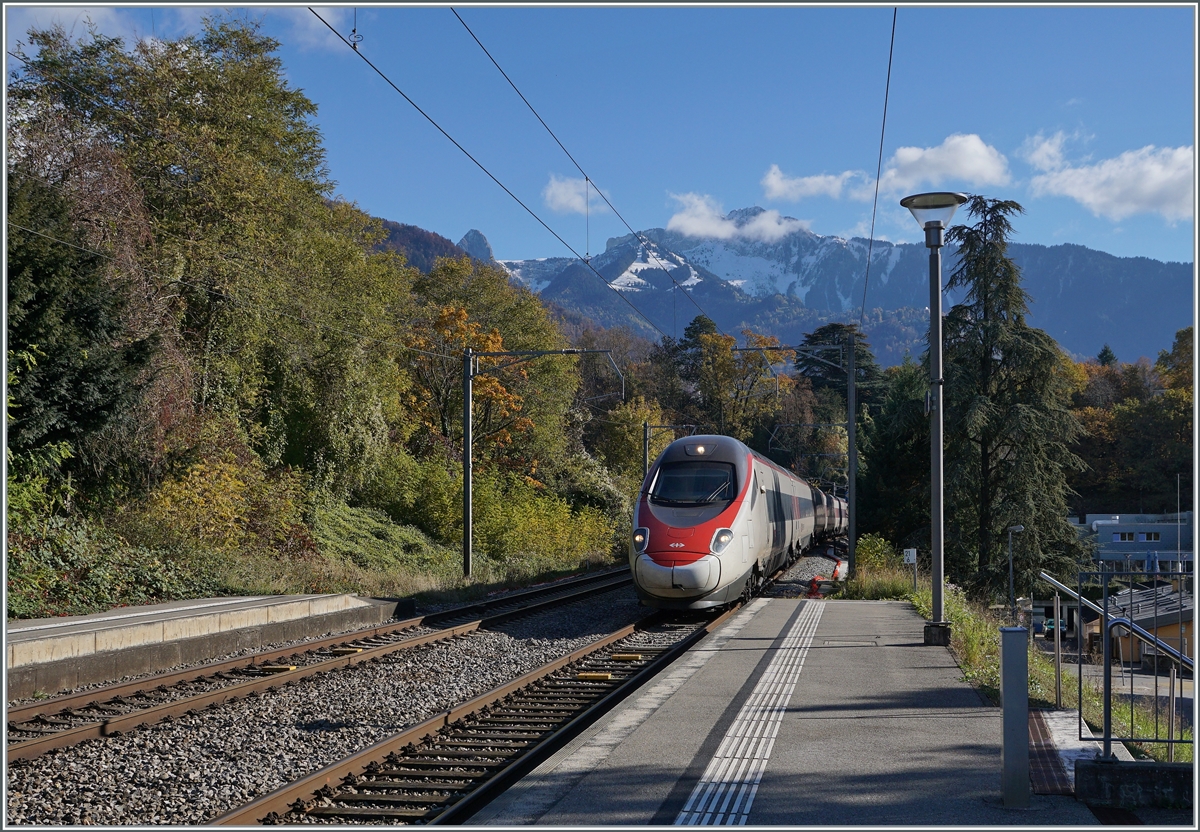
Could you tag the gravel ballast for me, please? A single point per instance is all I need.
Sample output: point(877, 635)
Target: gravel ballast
point(200, 766)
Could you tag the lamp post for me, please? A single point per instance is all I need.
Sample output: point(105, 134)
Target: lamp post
point(933, 212)
point(1012, 600)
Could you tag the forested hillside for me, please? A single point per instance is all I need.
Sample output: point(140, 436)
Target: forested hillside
point(222, 381)
point(219, 383)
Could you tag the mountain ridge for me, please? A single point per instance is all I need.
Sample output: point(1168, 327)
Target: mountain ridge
point(1082, 297)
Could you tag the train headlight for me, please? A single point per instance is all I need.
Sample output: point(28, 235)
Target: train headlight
point(640, 538)
point(721, 540)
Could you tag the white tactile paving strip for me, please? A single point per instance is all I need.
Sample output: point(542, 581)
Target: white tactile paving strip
point(537, 794)
point(726, 790)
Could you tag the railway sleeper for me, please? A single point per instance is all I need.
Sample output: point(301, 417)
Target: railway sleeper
point(441, 765)
point(450, 754)
point(364, 812)
point(416, 783)
point(482, 742)
point(393, 799)
point(529, 721)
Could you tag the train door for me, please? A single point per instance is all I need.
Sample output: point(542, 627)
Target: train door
point(779, 523)
point(748, 550)
point(806, 523)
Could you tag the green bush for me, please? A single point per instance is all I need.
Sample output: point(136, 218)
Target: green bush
point(369, 539)
point(421, 493)
point(875, 552)
point(76, 566)
point(525, 530)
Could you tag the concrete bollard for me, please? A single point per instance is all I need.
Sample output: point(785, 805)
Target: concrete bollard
point(1014, 704)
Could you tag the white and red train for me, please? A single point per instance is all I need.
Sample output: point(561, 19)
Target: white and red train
point(714, 518)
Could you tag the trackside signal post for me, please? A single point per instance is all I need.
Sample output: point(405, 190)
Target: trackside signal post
point(470, 370)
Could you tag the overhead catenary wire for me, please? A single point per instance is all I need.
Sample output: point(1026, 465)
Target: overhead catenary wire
point(878, 169)
point(487, 172)
point(237, 261)
point(587, 179)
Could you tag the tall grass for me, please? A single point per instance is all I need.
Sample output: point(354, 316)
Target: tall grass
point(881, 583)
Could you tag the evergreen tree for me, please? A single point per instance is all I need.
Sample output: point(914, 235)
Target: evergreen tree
point(1107, 357)
point(823, 376)
point(1178, 366)
point(894, 460)
point(82, 369)
point(1008, 425)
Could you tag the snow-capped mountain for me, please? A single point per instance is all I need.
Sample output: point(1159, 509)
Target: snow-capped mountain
point(787, 286)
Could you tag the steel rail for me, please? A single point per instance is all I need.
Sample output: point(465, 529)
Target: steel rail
point(58, 704)
point(123, 723)
point(273, 808)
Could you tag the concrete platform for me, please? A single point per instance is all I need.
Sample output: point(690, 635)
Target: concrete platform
point(50, 655)
point(795, 713)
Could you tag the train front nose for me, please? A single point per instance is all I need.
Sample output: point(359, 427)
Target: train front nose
point(668, 577)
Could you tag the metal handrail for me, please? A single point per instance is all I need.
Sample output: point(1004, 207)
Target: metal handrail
point(1134, 630)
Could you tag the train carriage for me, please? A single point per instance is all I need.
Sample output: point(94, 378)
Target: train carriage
point(714, 518)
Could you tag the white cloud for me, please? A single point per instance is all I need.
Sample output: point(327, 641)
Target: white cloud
point(133, 24)
point(963, 157)
point(700, 216)
point(564, 195)
point(1044, 153)
point(310, 33)
point(1152, 180)
point(109, 21)
point(778, 185)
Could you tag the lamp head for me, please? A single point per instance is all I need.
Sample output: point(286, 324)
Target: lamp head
point(933, 207)
point(1016, 528)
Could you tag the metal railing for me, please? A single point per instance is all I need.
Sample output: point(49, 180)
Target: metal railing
point(1166, 602)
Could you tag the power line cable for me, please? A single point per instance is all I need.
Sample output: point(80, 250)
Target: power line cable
point(587, 179)
point(165, 233)
point(487, 172)
point(878, 169)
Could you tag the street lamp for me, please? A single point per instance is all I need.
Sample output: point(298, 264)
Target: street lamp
point(933, 212)
point(1012, 601)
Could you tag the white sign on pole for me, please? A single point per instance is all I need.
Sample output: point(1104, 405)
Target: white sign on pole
point(910, 555)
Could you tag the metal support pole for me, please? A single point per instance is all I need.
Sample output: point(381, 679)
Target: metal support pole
point(1170, 716)
point(468, 374)
point(1058, 628)
point(1012, 598)
point(1107, 665)
point(645, 449)
point(851, 413)
point(1014, 702)
point(935, 239)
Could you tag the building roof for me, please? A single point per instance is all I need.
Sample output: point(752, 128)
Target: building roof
point(1157, 606)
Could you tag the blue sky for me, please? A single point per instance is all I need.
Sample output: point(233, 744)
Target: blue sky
point(1084, 115)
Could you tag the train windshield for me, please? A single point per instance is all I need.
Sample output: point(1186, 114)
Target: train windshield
point(694, 483)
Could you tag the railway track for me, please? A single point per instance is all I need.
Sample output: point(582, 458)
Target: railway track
point(443, 770)
point(36, 728)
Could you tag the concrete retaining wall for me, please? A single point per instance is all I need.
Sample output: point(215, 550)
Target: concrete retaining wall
point(1131, 785)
